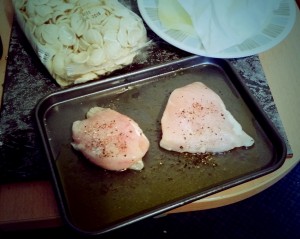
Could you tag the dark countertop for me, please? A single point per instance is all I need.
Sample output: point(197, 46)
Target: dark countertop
point(27, 81)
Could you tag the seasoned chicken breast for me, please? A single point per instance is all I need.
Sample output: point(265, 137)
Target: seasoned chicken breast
point(110, 140)
point(196, 120)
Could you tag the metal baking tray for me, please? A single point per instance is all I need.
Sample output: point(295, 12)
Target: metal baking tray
point(94, 201)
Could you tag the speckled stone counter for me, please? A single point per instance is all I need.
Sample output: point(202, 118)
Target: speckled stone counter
point(27, 81)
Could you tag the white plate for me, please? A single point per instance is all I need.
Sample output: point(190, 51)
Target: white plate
point(275, 31)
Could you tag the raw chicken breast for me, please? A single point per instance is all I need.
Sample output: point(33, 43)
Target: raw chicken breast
point(195, 120)
point(110, 140)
